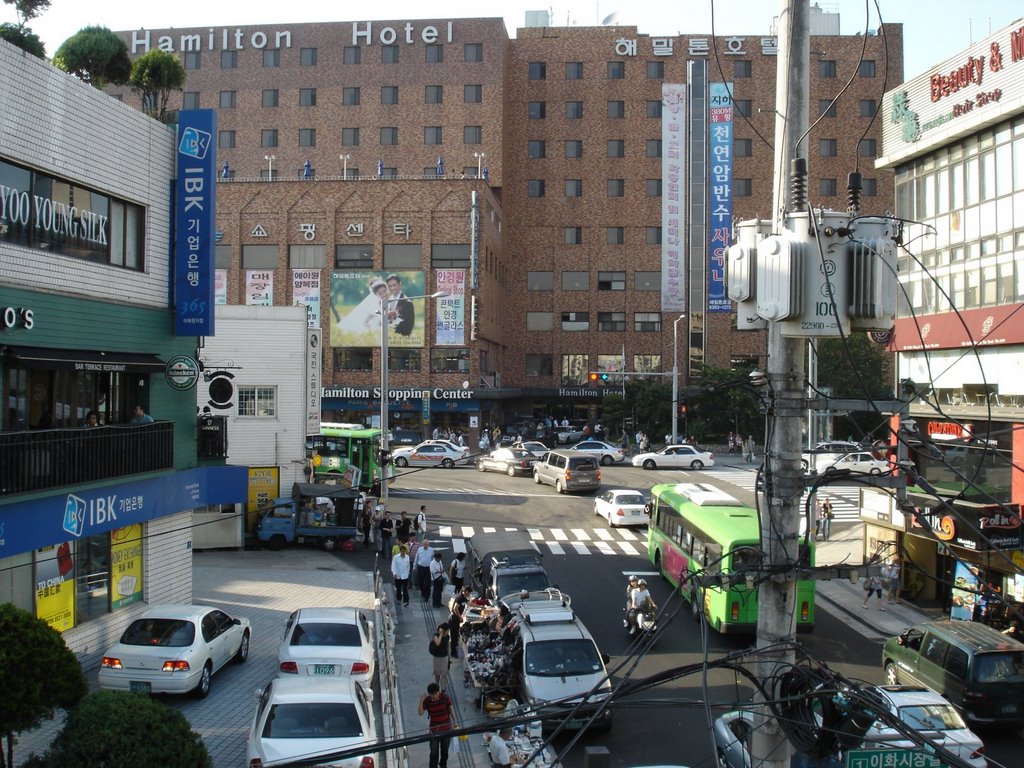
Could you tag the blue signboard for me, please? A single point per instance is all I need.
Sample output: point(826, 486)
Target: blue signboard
point(29, 525)
point(194, 233)
point(720, 154)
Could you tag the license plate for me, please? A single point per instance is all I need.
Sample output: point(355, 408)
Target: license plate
point(1009, 708)
point(574, 725)
point(139, 686)
point(323, 669)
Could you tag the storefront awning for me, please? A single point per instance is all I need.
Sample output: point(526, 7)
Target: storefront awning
point(94, 361)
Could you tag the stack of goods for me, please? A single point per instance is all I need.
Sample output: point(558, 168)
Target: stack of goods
point(488, 658)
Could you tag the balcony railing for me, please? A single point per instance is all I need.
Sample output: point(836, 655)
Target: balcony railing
point(50, 458)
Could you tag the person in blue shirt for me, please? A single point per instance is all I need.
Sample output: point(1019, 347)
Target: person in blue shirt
point(141, 417)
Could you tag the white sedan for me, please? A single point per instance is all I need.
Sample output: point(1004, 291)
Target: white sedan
point(430, 455)
point(538, 449)
point(621, 506)
point(329, 642)
point(862, 462)
point(675, 457)
point(609, 454)
point(299, 718)
point(175, 649)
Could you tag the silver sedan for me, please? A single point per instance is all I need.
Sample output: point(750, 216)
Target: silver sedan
point(430, 455)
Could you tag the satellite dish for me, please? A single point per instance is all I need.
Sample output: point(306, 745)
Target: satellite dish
point(611, 20)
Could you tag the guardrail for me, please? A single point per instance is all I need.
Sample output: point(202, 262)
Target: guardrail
point(390, 702)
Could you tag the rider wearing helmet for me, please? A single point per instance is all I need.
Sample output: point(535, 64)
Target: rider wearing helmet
point(633, 580)
point(639, 599)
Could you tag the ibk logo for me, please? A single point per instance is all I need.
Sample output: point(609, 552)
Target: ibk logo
point(74, 515)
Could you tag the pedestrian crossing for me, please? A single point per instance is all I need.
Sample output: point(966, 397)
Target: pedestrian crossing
point(845, 498)
point(555, 541)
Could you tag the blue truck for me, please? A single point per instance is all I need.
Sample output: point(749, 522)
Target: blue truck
point(323, 515)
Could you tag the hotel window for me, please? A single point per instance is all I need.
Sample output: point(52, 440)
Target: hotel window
point(190, 100)
point(228, 99)
point(827, 147)
point(741, 68)
point(652, 187)
point(574, 70)
point(743, 147)
point(434, 53)
point(573, 110)
point(535, 149)
point(575, 321)
point(193, 60)
point(743, 187)
point(350, 96)
point(827, 187)
point(472, 134)
point(255, 401)
point(268, 137)
point(307, 137)
point(307, 57)
point(229, 59)
point(655, 70)
point(742, 106)
point(389, 54)
point(388, 94)
point(616, 110)
point(826, 108)
point(540, 321)
point(653, 108)
point(652, 235)
point(473, 52)
point(575, 369)
point(388, 136)
point(646, 281)
point(574, 187)
point(616, 187)
point(614, 235)
point(271, 57)
point(616, 148)
point(350, 137)
point(226, 139)
point(536, 110)
point(432, 134)
point(540, 281)
point(647, 322)
point(868, 107)
point(574, 148)
point(433, 94)
point(611, 321)
point(307, 97)
point(472, 94)
point(539, 365)
point(826, 68)
point(537, 70)
point(868, 148)
point(572, 235)
point(270, 97)
point(611, 281)
point(351, 54)
point(353, 359)
point(867, 69)
point(652, 148)
point(616, 70)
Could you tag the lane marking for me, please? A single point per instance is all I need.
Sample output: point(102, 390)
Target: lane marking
point(535, 534)
point(559, 534)
point(458, 545)
point(467, 531)
point(580, 548)
point(580, 534)
point(555, 548)
point(628, 548)
point(604, 534)
point(604, 548)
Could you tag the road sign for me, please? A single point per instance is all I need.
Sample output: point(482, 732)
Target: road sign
point(892, 758)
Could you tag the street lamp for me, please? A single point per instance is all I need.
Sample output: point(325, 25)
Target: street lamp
point(344, 167)
point(270, 165)
point(479, 162)
point(675, 379)
point(384, 438)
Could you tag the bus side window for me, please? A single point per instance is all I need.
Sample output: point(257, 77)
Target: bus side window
point(713, 557)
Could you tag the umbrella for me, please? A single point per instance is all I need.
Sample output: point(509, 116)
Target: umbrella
point(380, 166)
point(307, 170)
point(440, 166)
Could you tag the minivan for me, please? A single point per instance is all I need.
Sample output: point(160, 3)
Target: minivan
point(568, 471)
point(978, 669)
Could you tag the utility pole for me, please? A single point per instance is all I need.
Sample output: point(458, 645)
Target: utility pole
point(780, 526)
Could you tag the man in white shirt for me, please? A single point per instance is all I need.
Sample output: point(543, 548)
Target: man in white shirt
point(401, 568)
point(424, 557)
point(498, 749)
point(639, 599)
point(420, 524)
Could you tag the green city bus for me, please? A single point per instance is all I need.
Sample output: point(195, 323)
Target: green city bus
point(345, 453)
point(696, 526)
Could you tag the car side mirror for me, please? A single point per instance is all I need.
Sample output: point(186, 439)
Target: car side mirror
point(258, 693)
point(901, 640)
point(605, 658)
point(368, 695)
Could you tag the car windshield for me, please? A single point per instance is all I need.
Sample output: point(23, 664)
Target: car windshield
point(931, 717)
point(317, 633)
point(172, 633)
point(513, 583)
point(1001, 667)
point(561, 658)
point(629, 498)
point(313, 720)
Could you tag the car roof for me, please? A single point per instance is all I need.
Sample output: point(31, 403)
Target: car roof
point(188, 612)
point(328, 614)
point(302, 688)
point(971, 634)
point(908, 695)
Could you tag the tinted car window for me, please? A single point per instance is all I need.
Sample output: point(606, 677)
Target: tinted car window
point(582, 462)
point(956, 663)
point(326, 634)
point(175, 633)
point(935, 649)
point(1003, 667)
point(313, 720)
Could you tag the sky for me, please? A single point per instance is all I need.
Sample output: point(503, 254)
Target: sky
point(933, 31)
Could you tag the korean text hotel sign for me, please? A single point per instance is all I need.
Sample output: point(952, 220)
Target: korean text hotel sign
point(194, 224)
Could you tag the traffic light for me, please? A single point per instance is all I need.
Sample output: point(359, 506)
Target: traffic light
point(682, 409)
point(593, 376)
point(383, 457)
point(605, 377)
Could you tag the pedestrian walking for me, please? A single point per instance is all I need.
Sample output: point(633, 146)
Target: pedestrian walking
point(386, 529)
point(457, 571)
point(439, 648)
point(402, 528)
point(826, 518)
point(441, 719)
point(893, 581)
point(401, 569)
point(365, 526)
point(424, 557)
point(437, 580)
point(818, 516)
point(419, 525)
point(457, 617)
point(748, 449)
point(873, 586)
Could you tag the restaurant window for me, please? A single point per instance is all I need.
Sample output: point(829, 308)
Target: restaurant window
point(256, 401)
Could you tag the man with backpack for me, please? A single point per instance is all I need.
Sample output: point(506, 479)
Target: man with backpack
point(419, 525)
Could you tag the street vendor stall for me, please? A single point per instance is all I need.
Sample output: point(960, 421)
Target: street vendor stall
point(487, 646)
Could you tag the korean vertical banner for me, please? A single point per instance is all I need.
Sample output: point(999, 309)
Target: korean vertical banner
point(720, 153)
point(195, 202)
point(450, 319)
point(259, 287)
point(673, 196)
point(306, 292)
point(220, 291)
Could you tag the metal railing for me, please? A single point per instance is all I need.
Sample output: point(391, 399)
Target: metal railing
point(390, 702)
point(50, 458)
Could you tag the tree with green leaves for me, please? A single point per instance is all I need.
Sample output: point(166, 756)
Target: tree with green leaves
point(30, 645)
point(95, 55)
point(117, 729)
point(725, 403)
point(28, 9)
point(154, 76)
point(23, 38)
point(858, 368)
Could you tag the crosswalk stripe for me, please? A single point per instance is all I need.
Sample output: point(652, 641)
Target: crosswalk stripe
point(467, 532)
point(511, 529)
point(559, 534)
point(580, 548)
point(444, 531)
point(604, 548)
point(535, 534)
point(489, 529)
point(628, 548)
point(603, 534)
point(556, 549)
point(580, 534)
point(458, 545)
point(627, 534)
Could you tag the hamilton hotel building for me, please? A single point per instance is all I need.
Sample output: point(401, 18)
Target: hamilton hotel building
point(571, 190)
